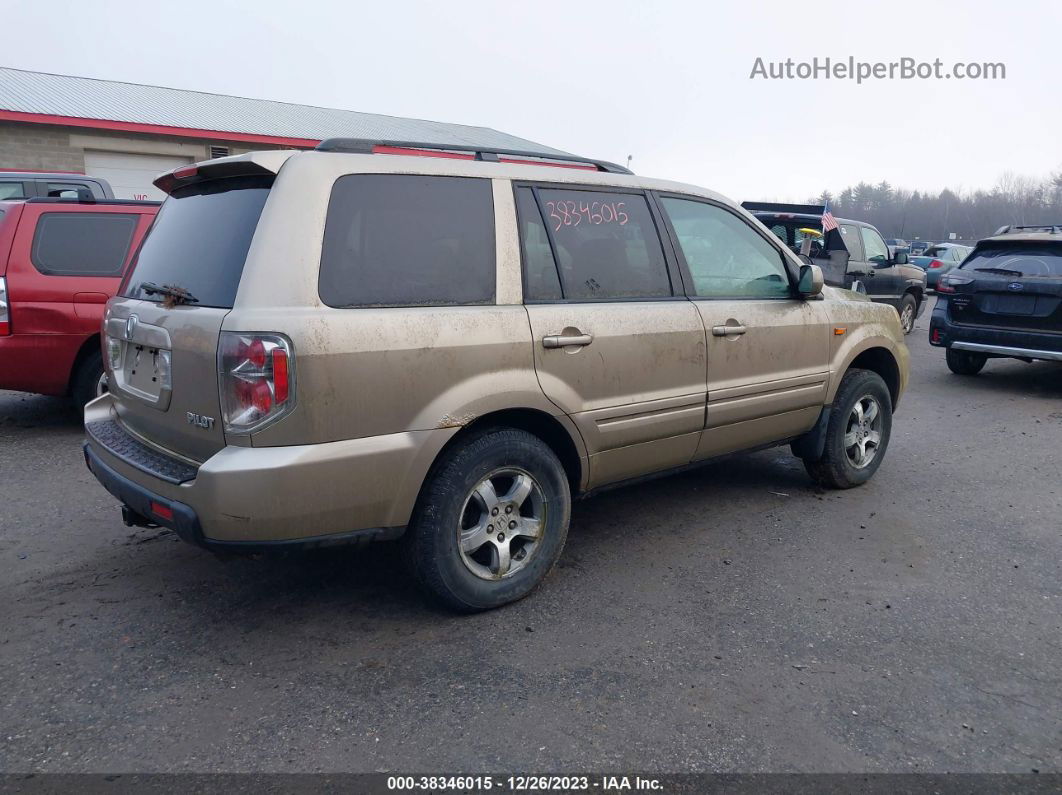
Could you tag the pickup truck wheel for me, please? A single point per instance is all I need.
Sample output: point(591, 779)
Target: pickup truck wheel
point(965, 362)
point(857, 433)
point(90, 379)
point(491, 520)
point(908, 313)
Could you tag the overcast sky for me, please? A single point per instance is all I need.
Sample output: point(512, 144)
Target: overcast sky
point(666, 82)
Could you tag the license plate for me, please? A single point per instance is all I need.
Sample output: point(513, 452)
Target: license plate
point(142, 371)
point(1009, 304)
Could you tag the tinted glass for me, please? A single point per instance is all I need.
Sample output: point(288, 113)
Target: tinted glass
point(82, 244)
point(12, 190)
point(62, 190)
point(936, 251)
point(541, 282)
point(850, 236)
point(408, 240)
point(1034, 260)
point(199, 241)
point(606, 244)
point(876, 250)
point(725, 256)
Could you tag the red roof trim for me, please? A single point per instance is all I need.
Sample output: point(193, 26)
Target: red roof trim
point(157, 129)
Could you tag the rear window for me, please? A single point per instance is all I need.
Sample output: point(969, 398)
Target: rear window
point(1043, 260)
point(408, 240)
point(82, 244)
point(199, 241)
point(936, 251)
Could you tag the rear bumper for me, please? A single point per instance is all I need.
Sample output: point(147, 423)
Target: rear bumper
point(306, 494)
point(1003, 350)
point(992, 341)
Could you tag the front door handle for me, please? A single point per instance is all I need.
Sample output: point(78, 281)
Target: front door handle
point(727, 331)
point(566, 340)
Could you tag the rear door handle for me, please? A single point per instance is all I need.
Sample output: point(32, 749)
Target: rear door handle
point(727, 331)
point(562, 341)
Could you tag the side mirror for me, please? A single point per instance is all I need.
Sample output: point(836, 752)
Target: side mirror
point(901, 258)
point(810, 283)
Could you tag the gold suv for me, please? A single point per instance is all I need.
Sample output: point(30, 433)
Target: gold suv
point(375, 340)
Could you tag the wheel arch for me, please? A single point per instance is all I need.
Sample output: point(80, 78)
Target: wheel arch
point(557, 432)
point(92, 343)
point(881, 361)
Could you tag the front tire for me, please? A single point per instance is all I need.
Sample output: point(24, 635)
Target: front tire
point(491, 520)
point(965, 362)
point(908, 313)
point(857, 433)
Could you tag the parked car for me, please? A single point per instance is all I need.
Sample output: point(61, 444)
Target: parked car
point(1003, 301)
point(853, 252)
point(940, 259)
point(344, 345)
point(58, 185)
point(897, 245)
point(60, 260)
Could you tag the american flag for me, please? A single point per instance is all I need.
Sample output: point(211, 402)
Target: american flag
point(828, 221)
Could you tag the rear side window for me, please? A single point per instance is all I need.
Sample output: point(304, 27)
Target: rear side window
point(82, 244)
point(199, 241)
point(408, 240)
point(541, 280)
point(12, 190)
point(606, 246)
point(1035, 260)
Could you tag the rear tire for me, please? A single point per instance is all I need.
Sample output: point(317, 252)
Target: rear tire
point(89, 379)
point(908, 313)
point(856, 439)
point(490, 522)
point(965, 362)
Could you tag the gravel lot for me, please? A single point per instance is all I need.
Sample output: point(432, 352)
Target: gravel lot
point(730, 618)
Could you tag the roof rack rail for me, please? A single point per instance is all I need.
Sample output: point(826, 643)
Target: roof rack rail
point(1054, 229)
point(369, 146)
point(87, 199)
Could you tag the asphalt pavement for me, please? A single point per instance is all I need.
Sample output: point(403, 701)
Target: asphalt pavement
point(731, 618)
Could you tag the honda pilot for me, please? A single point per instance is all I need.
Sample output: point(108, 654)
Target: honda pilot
point(381, 340)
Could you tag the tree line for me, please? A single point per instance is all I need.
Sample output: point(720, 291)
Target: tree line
point(972, 215)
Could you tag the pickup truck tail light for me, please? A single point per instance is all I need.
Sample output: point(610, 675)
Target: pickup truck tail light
point(5, 310)
point(256, 378)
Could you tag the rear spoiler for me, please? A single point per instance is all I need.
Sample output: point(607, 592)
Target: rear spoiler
point(777, 207)
point(252, 164)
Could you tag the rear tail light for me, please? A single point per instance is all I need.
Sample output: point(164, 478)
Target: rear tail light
point(256, 376)
point(160, 510)
point(951, 281)
point(935, 335)
point(5, 313)
point(936, 264)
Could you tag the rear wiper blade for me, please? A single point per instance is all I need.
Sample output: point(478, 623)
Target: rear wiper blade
point(1000, 271)
point(171, 295)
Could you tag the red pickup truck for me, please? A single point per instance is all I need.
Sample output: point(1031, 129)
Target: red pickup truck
point(60, 260)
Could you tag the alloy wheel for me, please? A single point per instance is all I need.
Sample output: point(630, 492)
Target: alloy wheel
point(862, 438)
point(502, 523)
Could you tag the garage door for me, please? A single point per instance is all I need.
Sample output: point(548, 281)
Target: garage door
point(131, 175)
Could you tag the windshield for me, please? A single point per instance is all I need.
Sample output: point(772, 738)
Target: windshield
point(1041, 260)
point(199, 242)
